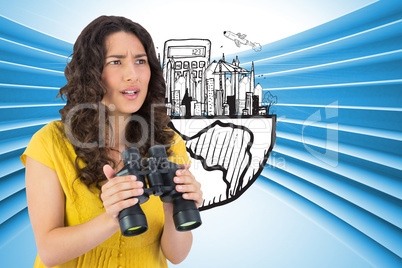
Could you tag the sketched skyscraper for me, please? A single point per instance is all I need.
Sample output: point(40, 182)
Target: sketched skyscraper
point(244, 86)
point(219, 102)
point(210, 97)
point(252, 78)
point(258, 92)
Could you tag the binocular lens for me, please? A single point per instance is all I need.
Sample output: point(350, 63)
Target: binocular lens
point(188, 224)
point(132, 231)
point(133, 221)
point(186, 216)
point(135, 231)
point(134, 228)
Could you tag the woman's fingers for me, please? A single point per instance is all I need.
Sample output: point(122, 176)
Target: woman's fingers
point(113, 198)
point(119, 193)
point(115, 209)
point(196, 197)
point(189, 186)
point(122, 183)
point(109, 172)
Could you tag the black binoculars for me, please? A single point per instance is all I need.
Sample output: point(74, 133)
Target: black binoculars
point(156, 173)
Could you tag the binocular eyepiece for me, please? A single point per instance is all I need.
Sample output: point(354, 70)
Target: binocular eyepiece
point(159, 172)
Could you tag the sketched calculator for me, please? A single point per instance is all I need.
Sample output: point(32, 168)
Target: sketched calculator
point(187, 55)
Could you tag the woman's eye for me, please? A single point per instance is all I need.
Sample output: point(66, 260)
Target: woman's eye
point(141, 61)
point(114, 62)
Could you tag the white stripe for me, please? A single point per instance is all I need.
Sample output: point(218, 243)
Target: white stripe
point(396, 81)
point(335, 63)
point(391, 109)
point(18, 125)
point(31, 67)
point(41, 50)
point(386, 134)
point(31, 105)
point(34, 29)
point(27, 86)
point(326, 43)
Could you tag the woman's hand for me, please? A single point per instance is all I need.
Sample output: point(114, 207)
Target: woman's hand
point(119, 193)
point(176, 245)
point(187, 184)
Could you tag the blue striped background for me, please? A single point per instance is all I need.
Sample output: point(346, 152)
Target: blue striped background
point(339, 89)
point(339, 131)
point(31, 72)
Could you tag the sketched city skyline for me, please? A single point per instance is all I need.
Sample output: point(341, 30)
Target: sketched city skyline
point(197, 87)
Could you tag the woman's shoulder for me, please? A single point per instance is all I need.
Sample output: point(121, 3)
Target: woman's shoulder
point(179, 150)
point(177, 140)
point(50, 129)
point(44, 144)
point(176, 136)
point(49, 136)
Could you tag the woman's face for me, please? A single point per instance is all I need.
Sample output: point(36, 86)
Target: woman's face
point(126, 74)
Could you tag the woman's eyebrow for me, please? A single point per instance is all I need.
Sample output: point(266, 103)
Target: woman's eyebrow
point(140, 55)
point(123, 56)
point(116, 56)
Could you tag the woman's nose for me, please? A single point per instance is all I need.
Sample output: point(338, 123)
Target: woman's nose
point(130, 72)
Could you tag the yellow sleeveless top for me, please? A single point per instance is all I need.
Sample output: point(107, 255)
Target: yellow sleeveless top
point(50, 147)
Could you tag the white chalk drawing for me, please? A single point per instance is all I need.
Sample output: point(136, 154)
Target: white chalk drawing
point(223, 117)
point(240, 39)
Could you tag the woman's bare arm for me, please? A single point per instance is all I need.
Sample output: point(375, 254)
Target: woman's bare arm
point(56, 243)
point(176, 245)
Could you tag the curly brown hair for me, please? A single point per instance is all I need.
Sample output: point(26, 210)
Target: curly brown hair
point(90, 123)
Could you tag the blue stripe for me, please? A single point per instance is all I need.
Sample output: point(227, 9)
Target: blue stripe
point(361, 244)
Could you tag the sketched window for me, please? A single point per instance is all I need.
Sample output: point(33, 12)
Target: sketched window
point(202, 64)
point(193, 64)
point(186, 65)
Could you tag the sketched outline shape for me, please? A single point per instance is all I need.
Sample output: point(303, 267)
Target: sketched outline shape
point(255, 175)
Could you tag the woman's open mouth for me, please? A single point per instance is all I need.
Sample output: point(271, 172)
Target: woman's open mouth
point(130, 94)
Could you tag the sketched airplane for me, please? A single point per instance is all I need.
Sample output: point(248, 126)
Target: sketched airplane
point(240, 39)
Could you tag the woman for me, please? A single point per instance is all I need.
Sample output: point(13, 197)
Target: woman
point(114, 93)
